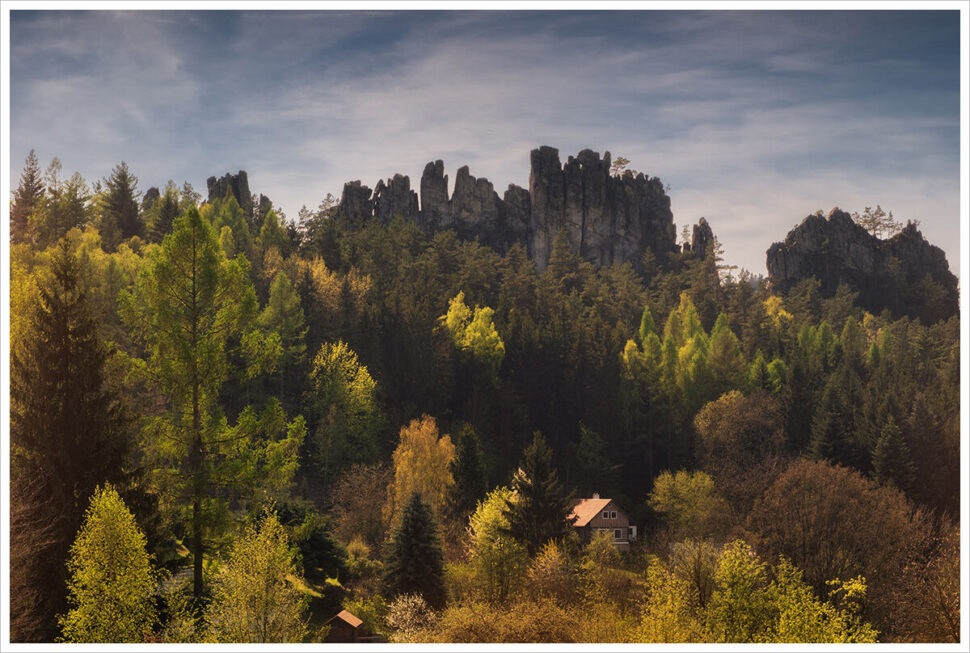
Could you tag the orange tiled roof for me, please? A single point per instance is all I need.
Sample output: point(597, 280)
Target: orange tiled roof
point(586, 509)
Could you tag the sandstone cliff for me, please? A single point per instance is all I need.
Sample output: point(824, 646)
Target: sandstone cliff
point(608, 219)
point(904, 274)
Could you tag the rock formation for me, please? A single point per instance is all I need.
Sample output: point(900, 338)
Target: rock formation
point(701, 238)
point(608, 220)
point(238, 184)
point(904, 274)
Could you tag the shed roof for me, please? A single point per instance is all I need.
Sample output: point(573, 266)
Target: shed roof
point(347, 617)
point(585, 509)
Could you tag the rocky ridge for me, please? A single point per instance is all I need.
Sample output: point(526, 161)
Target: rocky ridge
point(904, 274)
point(608, 219)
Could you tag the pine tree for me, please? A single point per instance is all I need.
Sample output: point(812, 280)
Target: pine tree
point(27, 197)
point(163, 214)
point(415, 563)
point(540, 511)
point(112, 584)
point(68, 430)
point(120, 208)
point(468, 470)
point(891, 460)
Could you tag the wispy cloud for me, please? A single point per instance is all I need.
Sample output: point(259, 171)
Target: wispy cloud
point(754, 118)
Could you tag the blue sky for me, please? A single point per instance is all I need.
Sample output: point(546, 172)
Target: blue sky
point(755, 119)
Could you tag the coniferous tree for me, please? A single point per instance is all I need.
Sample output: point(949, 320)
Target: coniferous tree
point(187, 303)
point(284, 315)
point(468, 470)
point(27, 197)
point(68, 430)
point(120, 208)
point(891, 460)
point(415, 563)
point(541, 508)
point(163, 214)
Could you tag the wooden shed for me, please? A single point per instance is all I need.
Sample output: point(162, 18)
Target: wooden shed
point(344, 628)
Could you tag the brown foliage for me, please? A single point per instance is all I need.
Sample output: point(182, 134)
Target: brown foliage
point(832, 522)
point(358, 501)
point(741, 445)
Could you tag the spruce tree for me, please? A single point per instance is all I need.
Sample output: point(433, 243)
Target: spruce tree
point(68, 430)
point(27, 197)
point(541, 507)
point(415, 562)
point(468, 470)
point(120, 209)
point(891, 460)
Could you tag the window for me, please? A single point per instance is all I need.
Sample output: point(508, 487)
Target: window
point(613, 514)
point(617, 533)
point(606, 514)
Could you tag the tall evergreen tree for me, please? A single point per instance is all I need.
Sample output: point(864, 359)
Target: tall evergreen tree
point(163, 213)
point(415, 563)
point(27, 197)
point(67, 428)
point(540, 509)
point(120, 208)
point(891, 460)
point(468, 470)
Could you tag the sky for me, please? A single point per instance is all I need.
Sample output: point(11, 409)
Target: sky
point(754, 119)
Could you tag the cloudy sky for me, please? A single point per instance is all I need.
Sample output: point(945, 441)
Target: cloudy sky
point(755, 119)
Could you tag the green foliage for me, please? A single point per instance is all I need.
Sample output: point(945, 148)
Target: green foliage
point(468, 471)
point(112, 582)
point(27, 198)
point(349, 418)
point(253, 598)
point(120, 218)
point(891, 461)
point(283, 315)
point(497, 559)
point(414, 563)
point(542, 506)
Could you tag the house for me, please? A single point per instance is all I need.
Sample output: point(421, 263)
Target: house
point(596, 514)
point(344, 628)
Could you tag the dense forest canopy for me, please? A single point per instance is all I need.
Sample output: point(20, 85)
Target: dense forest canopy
point(261, 421)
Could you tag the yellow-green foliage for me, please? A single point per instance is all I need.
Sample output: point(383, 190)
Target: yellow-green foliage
point(689, 502)
point(751, 601)
point(498, 560)
point(111, 577)
point(475, 333)
point(514, 623)
point(252, 600)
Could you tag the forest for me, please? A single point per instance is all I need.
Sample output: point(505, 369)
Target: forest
point(229, 426)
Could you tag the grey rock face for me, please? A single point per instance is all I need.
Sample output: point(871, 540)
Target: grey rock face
point(701, 238)
point(395, 198)
point(608, 220)
point(886, 273)
point(434, 196)
point(238, 184)
point(356, 204)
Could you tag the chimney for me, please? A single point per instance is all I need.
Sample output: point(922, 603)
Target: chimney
point(596, 495)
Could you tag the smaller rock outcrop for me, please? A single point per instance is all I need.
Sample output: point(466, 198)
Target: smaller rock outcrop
point(434, 196)
point(238, 184)
point(904, 274)
point(701, 238)
point(356, 204)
